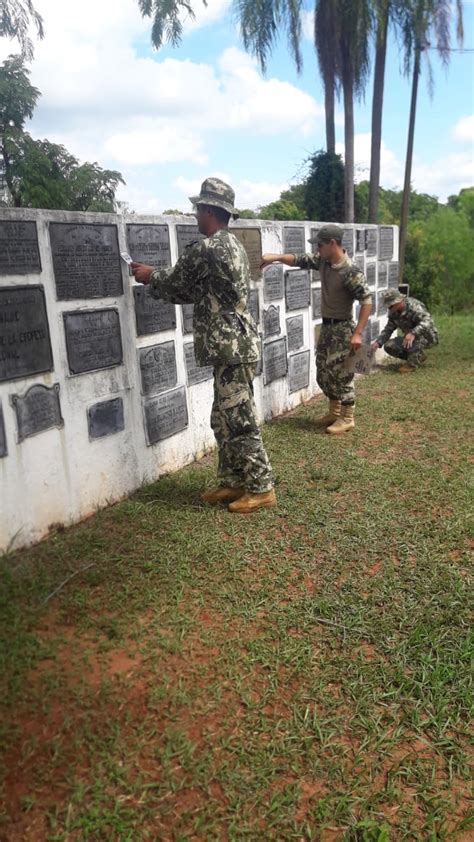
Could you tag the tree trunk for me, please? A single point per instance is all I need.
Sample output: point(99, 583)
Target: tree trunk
point(408, 163)
point(377, 106)
point(348, 86)
point(329, 111)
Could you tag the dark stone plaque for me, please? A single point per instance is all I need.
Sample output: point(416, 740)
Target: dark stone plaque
point(383, 276)
point(374, 329)
point(152, 315)
point(259, 366)
point(165, 415)
point(381, 307)
point(360, 262)
point(393, 271)
point(367, 332)
point(254, 305)
point(157, 368)
point(298, 371)
point(348, 241)
point(297, 289)
point(251, 240)
point(370, 274)
point(360, 239)
point(273, 282)
point(3, 438)
point(185, 235)
point(93, 339)
point(25, 346)
point(195, 373)
point(316, 303)
point(371, 241)
point(187, 313)
point(37, 410)
point(150, 244)
point(294, 240)
point(271, 321)
point(86, 260)
point(275, 361)
point(295, 332)
point(19, 250)
point(385, 242)
point(105, 418)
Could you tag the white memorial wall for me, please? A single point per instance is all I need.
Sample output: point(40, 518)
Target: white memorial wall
point(99, 390)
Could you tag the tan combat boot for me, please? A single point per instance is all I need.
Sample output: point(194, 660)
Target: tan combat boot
point(333, 413)
point(344, 423)
point(251, 502)
point(222, 495)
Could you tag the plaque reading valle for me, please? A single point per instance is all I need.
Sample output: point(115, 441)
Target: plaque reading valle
point(93, 339)
point(297, 289)
point(105, 418)
point(370, 274)
point(295, 332)
point(254, 306)
point(152, 315)
point(385, 242)
point(37, 410)
point(371, 241)
point(186, 234)
point(165, 415)
point(275, 361)
point(86, 261)
point(19, 251)
point(251, 240)
point(316, 303)
point(393, 270)
point(157, 368)
point(3, 438)
point(383, 276)
point(25, 346)
point(271, 321)
point(195, 374)
point(187, 311)
point(348, 241)
point(150, 244)
point(274, 282)
point(294, 240)
point(298, 371)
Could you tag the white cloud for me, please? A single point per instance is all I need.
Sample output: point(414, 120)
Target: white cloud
point(391, 170)
point(153, 142)
point(248, 194)
point(307, 24)
point(464, 129)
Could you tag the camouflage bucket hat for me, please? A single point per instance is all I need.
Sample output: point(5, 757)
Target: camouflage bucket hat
point(392, 296)
point(327, 232)
point(218, 194)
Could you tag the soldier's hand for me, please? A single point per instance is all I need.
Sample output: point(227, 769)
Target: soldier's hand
point(141, 272)
point(375, 346)
point(356, 342)
point(408, 340)
point(267, 260)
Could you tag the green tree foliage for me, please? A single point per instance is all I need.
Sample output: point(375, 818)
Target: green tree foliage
point(281, 209)
point(38, 173)
point(324, 187)
point(16, 17)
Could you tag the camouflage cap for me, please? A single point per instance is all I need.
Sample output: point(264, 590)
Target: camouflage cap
point(327, 232)
point(218, 194)
point(392, 296)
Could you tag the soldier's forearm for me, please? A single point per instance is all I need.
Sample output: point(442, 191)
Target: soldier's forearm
point(364, 314)
point(287, 259)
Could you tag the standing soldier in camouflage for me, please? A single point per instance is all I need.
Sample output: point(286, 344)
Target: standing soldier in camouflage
point(342, 283)
point(411, 317)
point(213, 274)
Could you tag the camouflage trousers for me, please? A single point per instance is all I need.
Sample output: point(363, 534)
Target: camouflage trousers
point(413, 355)
point(331, 352)
point(243, 461)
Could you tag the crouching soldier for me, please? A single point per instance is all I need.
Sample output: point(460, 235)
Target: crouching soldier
point(411, 317)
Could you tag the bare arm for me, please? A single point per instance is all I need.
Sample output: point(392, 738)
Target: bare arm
point(268, 259)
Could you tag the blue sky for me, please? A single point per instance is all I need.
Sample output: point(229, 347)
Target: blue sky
point(166, 120)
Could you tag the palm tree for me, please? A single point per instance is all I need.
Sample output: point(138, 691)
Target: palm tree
point(423, 20)
point(382, 13)
point(15, 19)
point(326, 50)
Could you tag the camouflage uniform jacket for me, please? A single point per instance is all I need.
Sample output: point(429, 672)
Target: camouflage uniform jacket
point(340, 285)
point(414, 318)
point(213, 274)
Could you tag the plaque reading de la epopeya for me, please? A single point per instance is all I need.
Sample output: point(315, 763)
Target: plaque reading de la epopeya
point(86, 261)
point(150, 244)
point(25, 347)
point(19, 250)
point(93, 339)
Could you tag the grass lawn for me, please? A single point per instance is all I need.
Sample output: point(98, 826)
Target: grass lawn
point(297, 674)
